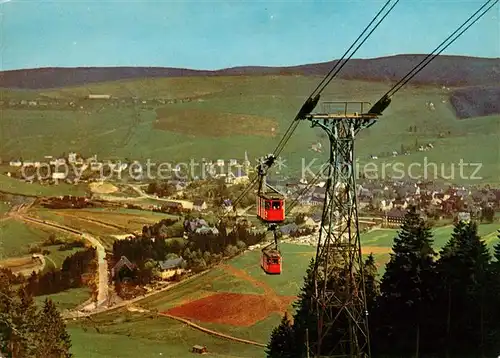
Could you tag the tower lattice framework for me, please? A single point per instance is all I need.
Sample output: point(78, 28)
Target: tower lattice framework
point(339, 295)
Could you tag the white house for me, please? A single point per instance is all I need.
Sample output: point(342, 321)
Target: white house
point(385, 205)
point(72, 157)
point(199, 205)
point(169, 268)
point(58, 176)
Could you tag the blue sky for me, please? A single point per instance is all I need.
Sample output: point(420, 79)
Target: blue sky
point(218, 34)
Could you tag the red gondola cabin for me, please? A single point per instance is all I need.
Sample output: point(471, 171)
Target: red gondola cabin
point(271, 261)
point(271, 207)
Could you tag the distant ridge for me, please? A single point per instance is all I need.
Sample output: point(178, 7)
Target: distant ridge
point(444, 70)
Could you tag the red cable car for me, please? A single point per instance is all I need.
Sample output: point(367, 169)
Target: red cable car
point(271, 207)
point(271, 261)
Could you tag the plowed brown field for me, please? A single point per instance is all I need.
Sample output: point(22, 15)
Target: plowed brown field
point(242, 310)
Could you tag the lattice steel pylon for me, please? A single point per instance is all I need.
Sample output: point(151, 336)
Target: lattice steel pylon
point(339, 295)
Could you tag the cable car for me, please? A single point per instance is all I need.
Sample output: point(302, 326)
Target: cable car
point(270, 204)
point(271, 261)
point(271, 207)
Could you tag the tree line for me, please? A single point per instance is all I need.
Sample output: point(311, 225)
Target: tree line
point(164, 229)
point(25, 329)
point(71, 274)
point(161, 189)
point(426, 304)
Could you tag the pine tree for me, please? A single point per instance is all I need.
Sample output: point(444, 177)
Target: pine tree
point(289, 340)
point(403, 316)
point(493, 297)
point(282, 343)
point(26, 317)
point(18, 320)
point(372, 285)
point(54, 341)
point(13, 340)
point(463, 270)
point(304, 320)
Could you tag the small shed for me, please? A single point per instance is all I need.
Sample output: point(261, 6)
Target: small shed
point(199, 349)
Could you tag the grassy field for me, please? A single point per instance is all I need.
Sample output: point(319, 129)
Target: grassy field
point(17, 237)
point(124, 335)
point(78, 224)
point(106, 224)
point(4, 208)
point(56, 257)
point(189, 123)
point(133, 132)
point(103, 223)
point(129, 219)
point(67, 299)
point(385, 237)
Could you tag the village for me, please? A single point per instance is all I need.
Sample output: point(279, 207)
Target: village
point(382, 200)
point(83, 103)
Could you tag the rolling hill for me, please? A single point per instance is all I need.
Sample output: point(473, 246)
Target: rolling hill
point(224, 116)
point(444, 70)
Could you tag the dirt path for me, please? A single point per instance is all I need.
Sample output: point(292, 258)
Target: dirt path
point(49, 259)
point(211, 332)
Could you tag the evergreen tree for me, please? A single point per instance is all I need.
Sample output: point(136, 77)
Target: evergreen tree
point(54, 340)
point(24, 330)
point(372, 285)
point(403, 319)
point(282, 343)
point(14, 338)
point(493, 297)
point(26, 317)
point(289, 340)
point(463, 270)
point(304, 320)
